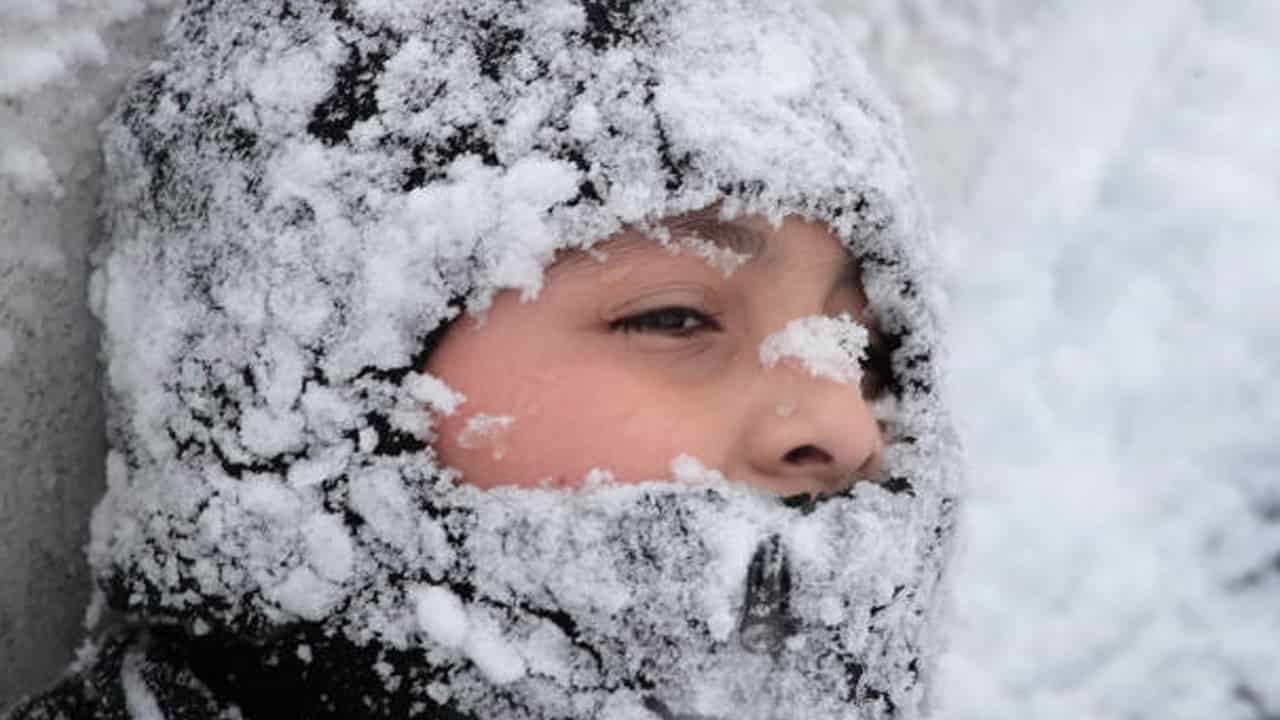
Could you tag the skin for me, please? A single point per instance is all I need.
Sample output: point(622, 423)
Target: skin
point(625, 361)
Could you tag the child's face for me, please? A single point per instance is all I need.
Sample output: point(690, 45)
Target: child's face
point(637, 354)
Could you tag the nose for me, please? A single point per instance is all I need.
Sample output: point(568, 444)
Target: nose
point(809, 434)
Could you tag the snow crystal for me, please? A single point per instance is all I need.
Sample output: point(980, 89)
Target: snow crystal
point(434, 392)
point(689, 469)
point(305, 594)
point(496, 658)
point(367, 440)
point(734, 542)
point(486, 431)
point(139, 699)
point(268, 498)
point(328, 547)
point(441, 615)
point(268, 433)
point(726, 260)
point(598, 477)
point(380, 498)
point(828, 347)
point(328, 463)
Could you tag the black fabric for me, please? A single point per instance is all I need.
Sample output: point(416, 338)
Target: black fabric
point(303, 675)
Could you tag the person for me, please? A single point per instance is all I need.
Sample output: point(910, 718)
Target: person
point(513, 360)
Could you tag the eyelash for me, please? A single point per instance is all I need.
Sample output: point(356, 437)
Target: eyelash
point(659, 321)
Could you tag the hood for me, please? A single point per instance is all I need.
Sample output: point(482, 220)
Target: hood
point(303, 195)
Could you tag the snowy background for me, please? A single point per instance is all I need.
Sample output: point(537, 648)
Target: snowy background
point(1106, 186)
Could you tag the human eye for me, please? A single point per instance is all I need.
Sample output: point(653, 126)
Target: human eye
point(672, 320)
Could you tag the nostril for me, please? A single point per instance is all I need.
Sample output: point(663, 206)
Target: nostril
point(808, 455)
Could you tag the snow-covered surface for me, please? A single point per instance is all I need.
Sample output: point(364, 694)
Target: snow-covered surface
point(1105, 183)
point(55, 86)
point(1115, 323)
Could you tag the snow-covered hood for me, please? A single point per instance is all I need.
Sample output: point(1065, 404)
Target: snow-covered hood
point(303, 194)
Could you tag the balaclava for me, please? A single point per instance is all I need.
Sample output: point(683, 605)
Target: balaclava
point(303, 195)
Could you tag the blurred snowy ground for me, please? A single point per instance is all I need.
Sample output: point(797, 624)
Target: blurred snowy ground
point(1106, 179)
point(1114, 267)
point(61, 64)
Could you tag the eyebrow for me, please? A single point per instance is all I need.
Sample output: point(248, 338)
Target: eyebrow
point(705, 224)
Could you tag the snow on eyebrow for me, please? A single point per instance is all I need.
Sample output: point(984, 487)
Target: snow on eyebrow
point(722, 243)
point(722, 258)
point(829, 347)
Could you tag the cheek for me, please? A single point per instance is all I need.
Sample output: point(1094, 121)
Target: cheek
point(566, 423)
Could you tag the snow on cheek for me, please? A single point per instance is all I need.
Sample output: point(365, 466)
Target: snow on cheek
point(829, 347)
point(598, 477)
point(486, 431)
point(434, 393)
point(689, 469)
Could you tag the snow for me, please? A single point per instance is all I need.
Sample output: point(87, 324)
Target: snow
point(1111, 263)
point(1104, 183)
point(434, 393)
point(496, 658)
point(380, 497)
point(328, 548)
point(444, 619)
point(305, 594)
point(8, 346)
point(689, 469)
point(139, 700)
point(441, 615)
point(826, 347)
point(486, 431)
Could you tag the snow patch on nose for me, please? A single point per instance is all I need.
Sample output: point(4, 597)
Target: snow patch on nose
point(829, 347)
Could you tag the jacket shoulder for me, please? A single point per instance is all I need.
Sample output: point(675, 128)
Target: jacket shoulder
point(129, 675)
point(91, 690)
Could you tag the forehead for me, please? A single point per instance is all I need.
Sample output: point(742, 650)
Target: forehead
point(743, 239)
